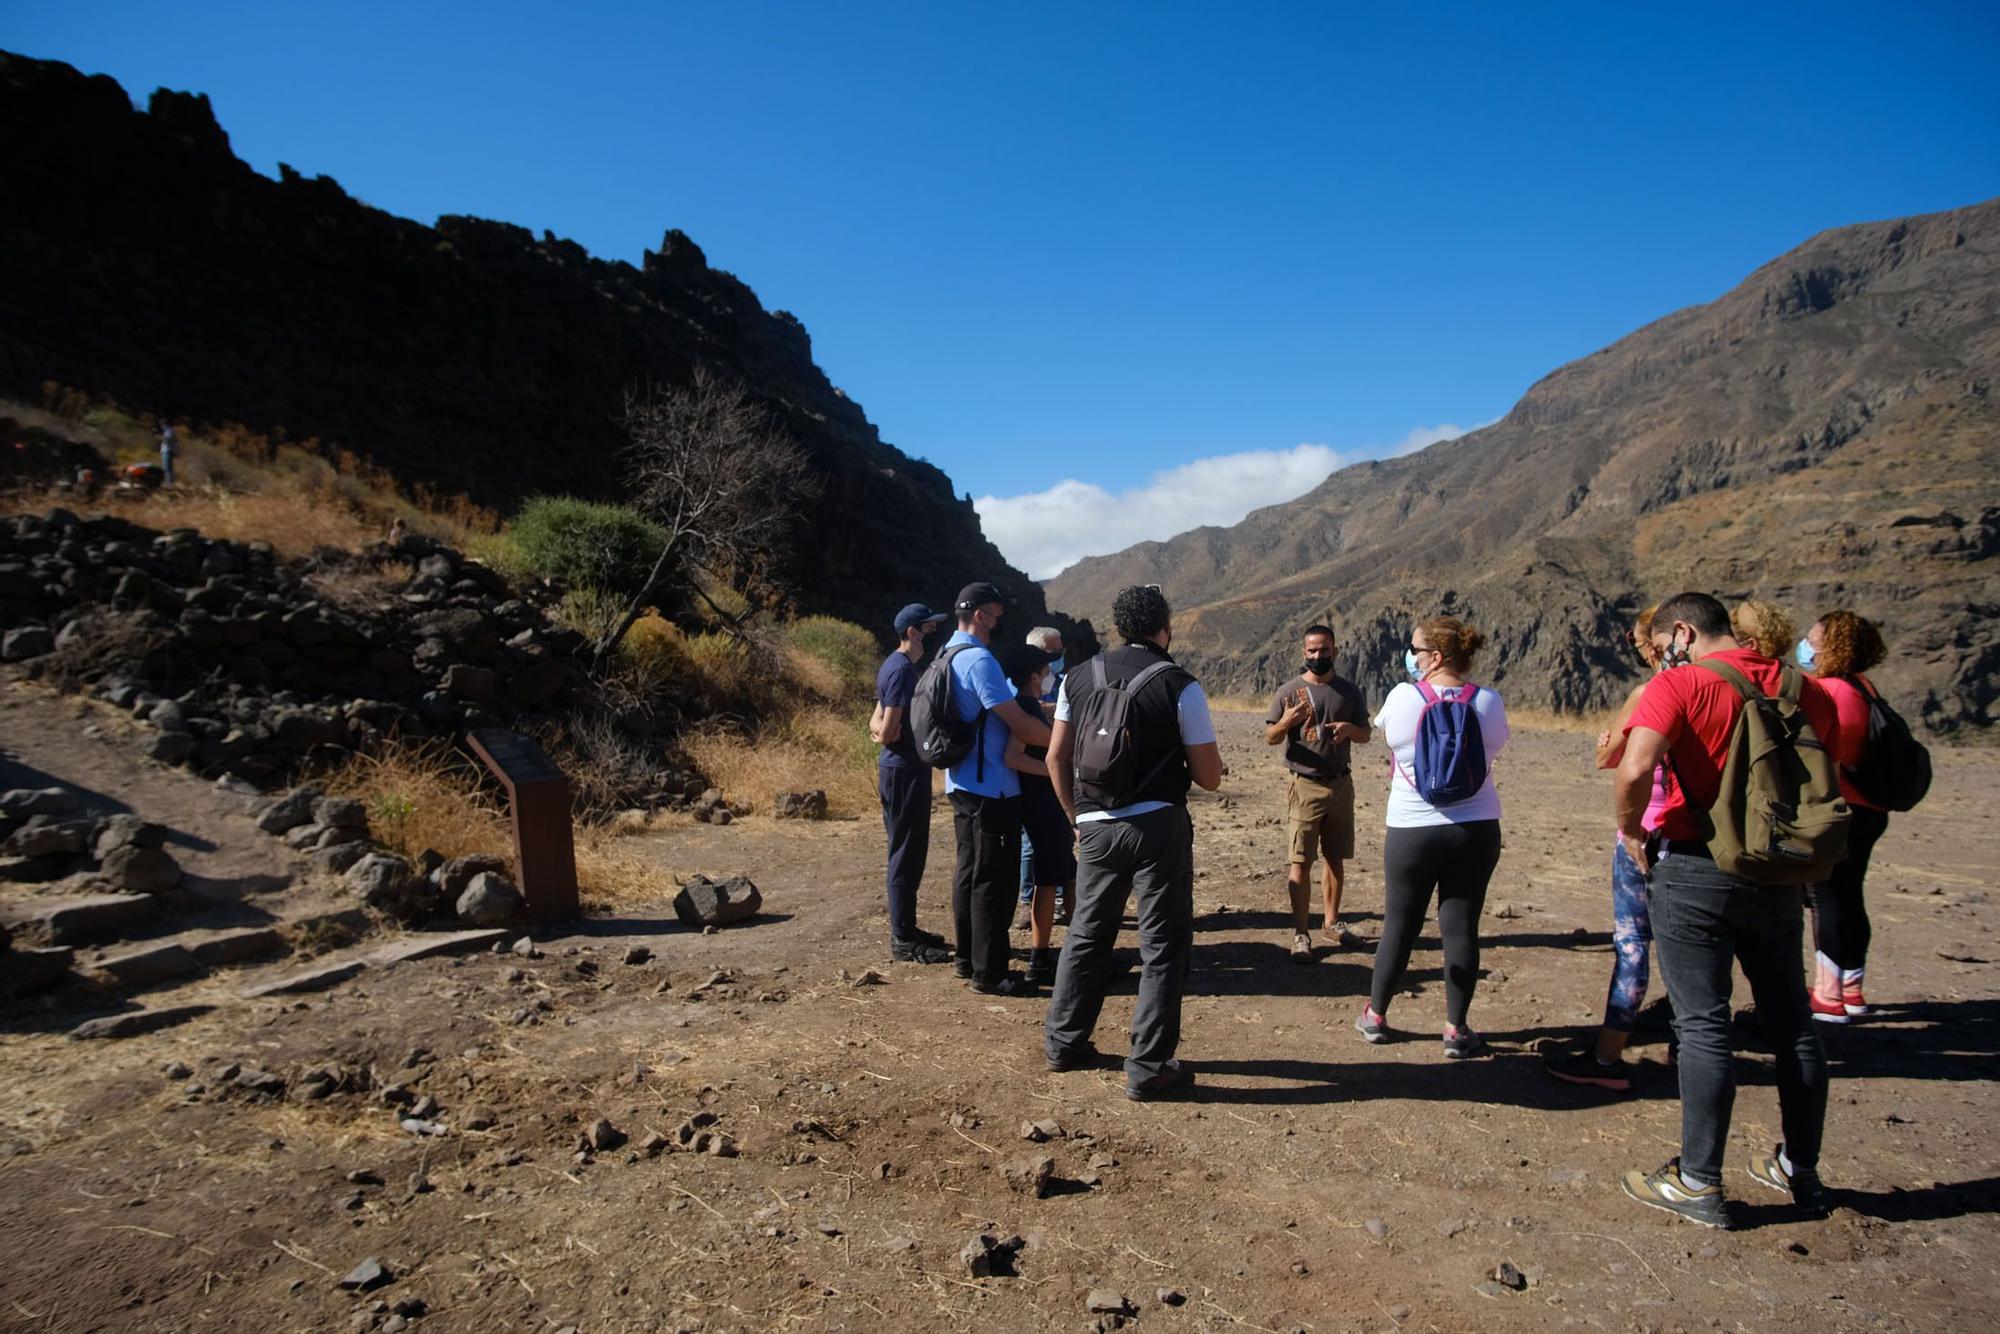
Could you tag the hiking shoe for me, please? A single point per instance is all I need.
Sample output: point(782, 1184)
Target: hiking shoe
point(918, 951)
point(1172, 1079)
point(1852, 1000)
point(1461, 1042)
point(1827, 1011)
point(1041, 967)
point(1086, 1057)
point(1370, 1025)
point(961, 968)
point(1340, 938)
point(1801, 1183)
point(1581, 1066)
point(1014, 984)
point(1024, 919)
point(1665, 1189)
point(1302, 947)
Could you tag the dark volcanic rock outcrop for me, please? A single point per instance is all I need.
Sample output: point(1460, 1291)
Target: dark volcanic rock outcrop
point(1825, 435)
point(142, 260)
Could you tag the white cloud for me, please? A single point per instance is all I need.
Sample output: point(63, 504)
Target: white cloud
point(1045, 532)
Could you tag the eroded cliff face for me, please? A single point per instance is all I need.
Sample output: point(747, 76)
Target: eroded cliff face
point(141, 259)
point(1825, 436)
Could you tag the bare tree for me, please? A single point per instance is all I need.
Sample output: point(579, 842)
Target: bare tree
point(706, 463)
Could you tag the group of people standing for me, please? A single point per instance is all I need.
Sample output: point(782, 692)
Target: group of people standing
point(1070, 787)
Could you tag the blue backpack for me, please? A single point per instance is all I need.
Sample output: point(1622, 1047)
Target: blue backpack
point(1450, 758)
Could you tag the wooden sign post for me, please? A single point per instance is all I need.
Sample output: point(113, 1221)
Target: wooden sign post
point(538, 795)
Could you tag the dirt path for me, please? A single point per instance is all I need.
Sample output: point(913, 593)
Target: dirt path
point(1313, 1182)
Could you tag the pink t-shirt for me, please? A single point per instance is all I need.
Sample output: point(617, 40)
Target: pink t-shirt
point(1850, 740)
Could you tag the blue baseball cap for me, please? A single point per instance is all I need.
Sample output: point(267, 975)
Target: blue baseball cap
point(916, 614)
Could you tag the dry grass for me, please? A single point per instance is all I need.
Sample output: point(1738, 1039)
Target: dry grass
point(101, 643)
point(362, 590)
point(431, 797)
point(813, 748)
point(424, 796)
point(233, 483)
point(1588, 723)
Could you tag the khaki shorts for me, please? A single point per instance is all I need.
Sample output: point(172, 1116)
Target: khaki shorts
point(1321, 819)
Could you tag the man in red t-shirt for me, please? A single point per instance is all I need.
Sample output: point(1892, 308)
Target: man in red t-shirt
point(1704, 920)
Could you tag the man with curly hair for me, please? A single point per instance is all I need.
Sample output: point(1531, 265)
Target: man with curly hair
point(1134, 838)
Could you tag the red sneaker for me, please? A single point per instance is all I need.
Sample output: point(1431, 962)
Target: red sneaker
point(1851, 999)
point(1827, 1011)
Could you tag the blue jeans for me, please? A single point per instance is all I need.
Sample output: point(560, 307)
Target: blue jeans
point(1703, 922)
point(1631, 941)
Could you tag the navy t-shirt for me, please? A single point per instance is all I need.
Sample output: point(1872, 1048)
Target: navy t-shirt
point(895, 685)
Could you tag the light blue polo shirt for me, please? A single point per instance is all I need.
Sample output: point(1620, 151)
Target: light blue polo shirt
point(978, 683)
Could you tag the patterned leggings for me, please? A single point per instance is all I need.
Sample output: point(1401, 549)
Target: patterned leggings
point(1631, 941)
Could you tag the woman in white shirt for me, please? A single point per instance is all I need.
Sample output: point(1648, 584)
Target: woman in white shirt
point(1447, 849)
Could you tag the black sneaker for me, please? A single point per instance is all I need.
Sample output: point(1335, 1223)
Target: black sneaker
point(1666, 1190)
point(1042, 967)
point(1581, 1066)
point(1086, 1057)
point(961, 968)
point(918, 951)
point(1174, 1079)
point(1801, 1183)
point(1062, 910)
point(1014, 984)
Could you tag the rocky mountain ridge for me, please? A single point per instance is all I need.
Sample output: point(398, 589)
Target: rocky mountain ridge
point(1823, 435)
point(144, 261)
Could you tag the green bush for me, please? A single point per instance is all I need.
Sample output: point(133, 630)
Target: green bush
point(849, 650)
point(586, 545)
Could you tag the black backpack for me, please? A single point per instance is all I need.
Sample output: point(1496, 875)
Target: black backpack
point(1895, 768)
point(1105, 754)
point(941, 737)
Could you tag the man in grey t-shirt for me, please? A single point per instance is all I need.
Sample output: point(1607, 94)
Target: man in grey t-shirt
point(1317, 716)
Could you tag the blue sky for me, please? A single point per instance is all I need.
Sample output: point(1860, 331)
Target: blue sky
point(1089, 244)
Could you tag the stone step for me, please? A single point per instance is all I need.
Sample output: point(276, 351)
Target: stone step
point(227, 947)
point(312, 979)
point(84, 919)
point(430, 945)
point(23, 972)
point(134, 1022)
point(149, 966)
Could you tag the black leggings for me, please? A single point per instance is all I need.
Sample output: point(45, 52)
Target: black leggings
point(1840, 916)
point(1455, 860)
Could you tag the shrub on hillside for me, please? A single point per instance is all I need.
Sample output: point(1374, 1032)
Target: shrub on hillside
point(586, 545)
point(850, 651)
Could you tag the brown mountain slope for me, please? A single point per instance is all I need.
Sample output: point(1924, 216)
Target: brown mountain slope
point(1824, 435)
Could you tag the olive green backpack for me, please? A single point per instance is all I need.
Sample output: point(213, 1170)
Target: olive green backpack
point(1778, 818)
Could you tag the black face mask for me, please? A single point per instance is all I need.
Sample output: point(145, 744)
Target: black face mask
point(1320, 666)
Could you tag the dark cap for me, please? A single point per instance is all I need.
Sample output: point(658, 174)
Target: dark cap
point(916, 614)
point(1023, 658)
point(978, 595)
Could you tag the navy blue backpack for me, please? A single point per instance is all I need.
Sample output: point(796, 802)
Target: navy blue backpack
point(1450, 758)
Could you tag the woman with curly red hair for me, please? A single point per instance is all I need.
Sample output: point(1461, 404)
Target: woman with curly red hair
point(1839, 648)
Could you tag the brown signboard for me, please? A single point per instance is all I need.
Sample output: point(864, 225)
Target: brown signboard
point(539, 796)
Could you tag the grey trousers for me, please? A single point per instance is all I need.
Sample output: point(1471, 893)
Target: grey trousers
point(1150, 856)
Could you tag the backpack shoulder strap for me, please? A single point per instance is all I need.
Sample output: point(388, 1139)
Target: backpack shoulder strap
point(1097, 671)
point(1157, 669)
point(1429, 693)
point(1744, 685)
